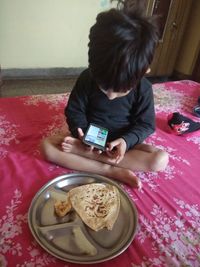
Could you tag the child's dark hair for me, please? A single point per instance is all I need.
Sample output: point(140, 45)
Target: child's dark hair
point(121, 48)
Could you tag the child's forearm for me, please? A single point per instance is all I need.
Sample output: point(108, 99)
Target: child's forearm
point(137, 134)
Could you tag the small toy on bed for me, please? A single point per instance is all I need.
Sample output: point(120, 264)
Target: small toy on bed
point(180, 124)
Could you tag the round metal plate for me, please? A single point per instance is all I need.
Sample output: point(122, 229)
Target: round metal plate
point(56, 234)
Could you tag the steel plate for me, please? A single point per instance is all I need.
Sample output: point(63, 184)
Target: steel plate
point(56, 235)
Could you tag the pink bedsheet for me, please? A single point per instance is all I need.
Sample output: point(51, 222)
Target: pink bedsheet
point(168, 205)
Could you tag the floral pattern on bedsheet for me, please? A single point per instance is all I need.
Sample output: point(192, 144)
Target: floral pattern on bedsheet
point(53, 102)
point(173, 97)
point(195, 140)
point(174, 239)
point(11, 226)
point(168, 204)
point(8, 133)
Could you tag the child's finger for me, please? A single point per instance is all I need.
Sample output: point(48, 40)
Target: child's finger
point(89, 148)
point(109, 153)
point(80, 133)
point(98, 151)
point(119, 158)
point(109, 146)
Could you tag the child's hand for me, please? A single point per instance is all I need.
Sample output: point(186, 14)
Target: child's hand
point(116, 149)
point(90, 148)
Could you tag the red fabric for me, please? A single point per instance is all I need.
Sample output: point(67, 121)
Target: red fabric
point(168, 205)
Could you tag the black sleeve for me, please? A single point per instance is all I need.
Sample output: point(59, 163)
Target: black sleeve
point(143, 116)
point(76, 108)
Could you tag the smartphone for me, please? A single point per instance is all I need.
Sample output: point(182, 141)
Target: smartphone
point(96, 136)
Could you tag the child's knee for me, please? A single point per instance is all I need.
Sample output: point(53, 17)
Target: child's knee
point(43, 148)
point(159, 161)
point(46, 149)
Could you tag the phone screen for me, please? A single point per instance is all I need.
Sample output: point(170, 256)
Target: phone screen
point(96, 136)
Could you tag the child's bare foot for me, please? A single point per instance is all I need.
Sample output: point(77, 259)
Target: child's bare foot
point(72, 145)
point(125, 176)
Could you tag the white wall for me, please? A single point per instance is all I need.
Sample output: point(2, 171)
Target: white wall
point(46, 33)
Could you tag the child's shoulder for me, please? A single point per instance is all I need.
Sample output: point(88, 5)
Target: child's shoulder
point(85, 83)
point(145, 83)
point(85, 75)
point(144, 87)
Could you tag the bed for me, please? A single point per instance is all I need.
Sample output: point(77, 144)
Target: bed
point(168, 204)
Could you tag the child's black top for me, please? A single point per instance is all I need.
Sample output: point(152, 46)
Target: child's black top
point(131, 117)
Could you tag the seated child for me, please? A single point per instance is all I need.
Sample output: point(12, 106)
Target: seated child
point(113, 93)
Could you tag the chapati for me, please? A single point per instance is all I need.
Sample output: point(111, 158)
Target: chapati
point(97, 204)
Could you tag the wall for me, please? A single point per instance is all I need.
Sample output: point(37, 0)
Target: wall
point(46, 33)
point(191, 45)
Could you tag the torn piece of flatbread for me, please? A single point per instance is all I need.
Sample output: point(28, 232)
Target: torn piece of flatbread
point(97, 204)
point(62, 207)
